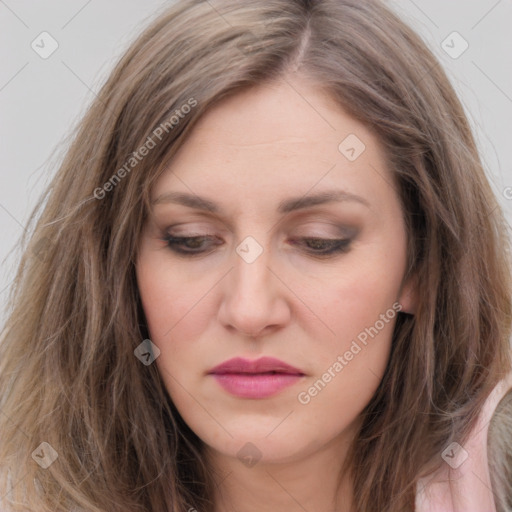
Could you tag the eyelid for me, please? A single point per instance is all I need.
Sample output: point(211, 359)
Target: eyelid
point(322, 234)
point(307, 228)
point(194, 231)
point(333, 246)
point(339, 231)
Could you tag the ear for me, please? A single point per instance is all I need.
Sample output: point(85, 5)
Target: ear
point(408, 297)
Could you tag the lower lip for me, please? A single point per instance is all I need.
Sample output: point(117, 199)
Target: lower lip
point(262, 385)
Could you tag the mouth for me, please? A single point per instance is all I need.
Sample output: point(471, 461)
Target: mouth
point(264, 365)
point(261, 378)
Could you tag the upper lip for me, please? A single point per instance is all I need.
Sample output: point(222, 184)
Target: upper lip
point(262, 365)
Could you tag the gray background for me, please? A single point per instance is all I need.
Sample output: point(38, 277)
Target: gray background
point(42, 99)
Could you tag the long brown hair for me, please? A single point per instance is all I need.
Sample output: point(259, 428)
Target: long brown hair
point(68, 374)
point(499, 446)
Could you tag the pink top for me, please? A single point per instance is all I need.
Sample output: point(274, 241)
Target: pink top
point(463, 483)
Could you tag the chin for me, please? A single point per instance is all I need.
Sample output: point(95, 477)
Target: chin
point(255, 444)
point(250, 451)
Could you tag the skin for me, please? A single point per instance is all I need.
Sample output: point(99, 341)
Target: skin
point(247, 154)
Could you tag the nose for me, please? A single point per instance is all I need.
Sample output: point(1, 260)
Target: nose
point(254, 298)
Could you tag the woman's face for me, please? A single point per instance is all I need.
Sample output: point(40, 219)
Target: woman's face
point(297, 252)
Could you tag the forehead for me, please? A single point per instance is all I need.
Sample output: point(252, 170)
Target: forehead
point(287, 116)
point(274, 140)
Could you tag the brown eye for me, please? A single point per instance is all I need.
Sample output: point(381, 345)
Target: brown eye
point(326, 246)
point(188, 245)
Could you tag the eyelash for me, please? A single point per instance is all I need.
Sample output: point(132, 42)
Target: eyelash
point(335, 246)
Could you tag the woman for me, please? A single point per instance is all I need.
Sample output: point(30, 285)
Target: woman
point(269, 275)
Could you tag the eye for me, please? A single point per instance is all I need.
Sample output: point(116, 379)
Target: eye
point(188, 245)
point(195, 245)
point(325, 246)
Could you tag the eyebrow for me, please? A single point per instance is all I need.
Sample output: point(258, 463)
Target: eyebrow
point(285, 206)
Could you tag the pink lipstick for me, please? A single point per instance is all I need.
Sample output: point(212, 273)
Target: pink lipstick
point(261, 378)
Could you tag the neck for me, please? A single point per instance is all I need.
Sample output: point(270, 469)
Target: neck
point(310, 482)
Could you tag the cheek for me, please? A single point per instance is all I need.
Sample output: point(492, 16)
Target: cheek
point(352, 297)
point(348, 370)
point(350, 363)
point(178, 311)
point(359, 304)
point(169, 298)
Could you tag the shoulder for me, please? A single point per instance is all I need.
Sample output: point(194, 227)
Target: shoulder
point(465, 482)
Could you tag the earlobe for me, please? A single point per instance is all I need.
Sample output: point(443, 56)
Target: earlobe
point(408, 297)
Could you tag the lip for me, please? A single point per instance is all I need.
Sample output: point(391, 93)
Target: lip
point(260, 378)
point(262, 365)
